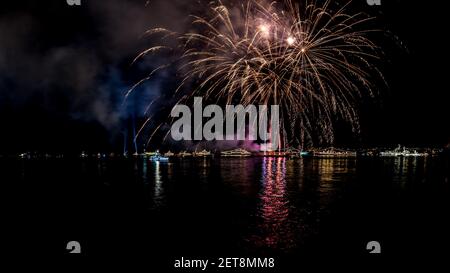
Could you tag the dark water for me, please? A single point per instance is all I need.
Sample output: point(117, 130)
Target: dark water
point(253, 207)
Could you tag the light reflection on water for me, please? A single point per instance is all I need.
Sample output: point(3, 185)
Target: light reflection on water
point(158, 187)
point(273, 209)
point(284, 202)
point(248, 206)
point(294, 196)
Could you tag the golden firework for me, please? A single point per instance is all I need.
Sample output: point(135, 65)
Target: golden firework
point(313, 60)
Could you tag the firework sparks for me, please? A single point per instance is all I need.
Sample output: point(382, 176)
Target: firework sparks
point(291, 41)
point(314, 61)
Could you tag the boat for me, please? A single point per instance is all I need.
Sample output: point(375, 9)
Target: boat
point(236, 153)
point(159, 158)
point(390, 154)
point(203, 153)
point(399, 151)
point(289, 153)
point(25, 156)
point(333, 153)
point(393, 153)
point(305, 154)
point(407, 153)
point(184, 154)
point(149, 154)
point(292, 152)
point(275, 154)
point(169, 154)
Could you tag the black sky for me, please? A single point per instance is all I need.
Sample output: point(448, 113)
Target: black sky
point(64, 70)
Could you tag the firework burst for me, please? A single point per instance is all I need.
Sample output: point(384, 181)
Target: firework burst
point(311, 59)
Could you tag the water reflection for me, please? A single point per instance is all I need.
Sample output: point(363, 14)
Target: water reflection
point(409, 170)
point(144, 171)
point(205, 167)
point(158, 194)
point(331, 174)
point(274, 229)
point(259, 204)
point(152, 178)
point(240, 174)
point(294, 198)
point(273, 204)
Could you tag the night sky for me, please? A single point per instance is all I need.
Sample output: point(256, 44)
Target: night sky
point(64, 71)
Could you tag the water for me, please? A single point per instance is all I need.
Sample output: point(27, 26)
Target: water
point(200, 208)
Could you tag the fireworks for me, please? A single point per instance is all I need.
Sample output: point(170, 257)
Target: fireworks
point(311, 59)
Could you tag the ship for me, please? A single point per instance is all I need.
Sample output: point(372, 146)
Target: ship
point(392, 153)
point(333, 153)
point(275, 154)
point(149, 154)
point(158, 157)
point(306, 153)
point(169, 154)
point(389, 154)
point(413, 153)
point(25, 156)
point(399, 151)
point(184, 154)
point(236, 153)
point(203, 153)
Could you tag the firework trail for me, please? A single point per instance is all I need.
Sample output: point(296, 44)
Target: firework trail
point(313, 60)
